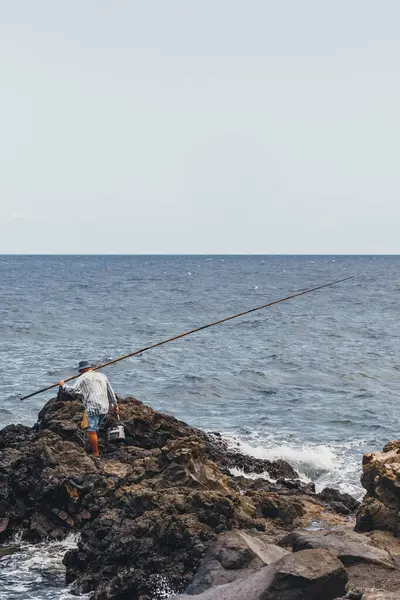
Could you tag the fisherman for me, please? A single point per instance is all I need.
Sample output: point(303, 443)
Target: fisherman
point(97, 394)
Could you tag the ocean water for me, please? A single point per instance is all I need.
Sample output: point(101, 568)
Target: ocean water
point(314, 380)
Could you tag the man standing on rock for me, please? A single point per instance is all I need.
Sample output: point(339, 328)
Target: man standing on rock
point(97, 394)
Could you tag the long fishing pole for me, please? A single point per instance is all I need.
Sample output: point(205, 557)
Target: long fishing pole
point(181, 335)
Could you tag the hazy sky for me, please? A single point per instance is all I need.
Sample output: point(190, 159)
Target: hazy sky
point(199, 126)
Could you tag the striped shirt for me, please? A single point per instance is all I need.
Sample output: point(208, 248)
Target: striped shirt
point(95, 391)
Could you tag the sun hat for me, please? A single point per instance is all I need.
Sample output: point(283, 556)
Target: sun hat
point(84, 364)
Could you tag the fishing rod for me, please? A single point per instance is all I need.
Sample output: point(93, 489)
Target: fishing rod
point(181, 335)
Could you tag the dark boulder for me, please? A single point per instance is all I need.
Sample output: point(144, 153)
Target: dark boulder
point(13, 436)
point(306, 575)
point(342, 503)
point(271, 505)
point(235, 555)
point(348, 546)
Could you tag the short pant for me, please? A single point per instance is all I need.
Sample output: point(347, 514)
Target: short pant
point(95, 421)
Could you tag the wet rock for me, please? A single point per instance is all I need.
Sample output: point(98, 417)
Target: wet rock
point(245, 484)
point(42, 527)
point(8, 550)
point(290, 487)
point(348, 546)
point(343, 503)
point(235, 555)
point(306, 575)
point(296, 486)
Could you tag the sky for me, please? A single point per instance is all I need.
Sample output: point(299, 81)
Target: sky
point(188, 126)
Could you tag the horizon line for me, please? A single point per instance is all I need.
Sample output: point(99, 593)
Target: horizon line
point(333, 254)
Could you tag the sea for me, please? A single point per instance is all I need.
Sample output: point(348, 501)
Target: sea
point(314, 380)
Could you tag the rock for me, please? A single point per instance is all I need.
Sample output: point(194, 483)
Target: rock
point(148, 428)
point(296, 485)
point(13, 436)
point(63, 416)
point(147, 533)
point(374, 514)
point(372, 577)
point(340, 508)
point(383, 595)
point(9, 459)
point(305, 575)
point(234, 555)
point(381, 479)
point(185, 464)
point(42, 527)
point(338, 501)
point(4, 524)
point(152, 506)
point(349, 547)
point(34, 491)
point(384, 540)
point(272, 505)
point(290, 487)
point(355, 594)
point(8, 550)
point(393, 445)
point(245, 484)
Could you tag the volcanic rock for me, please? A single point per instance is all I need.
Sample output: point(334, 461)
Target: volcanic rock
point(235, 555)
point(349, 547)
point(383, 595)
point(153, 505)
point(305, 575)
point(381, 478)
point(342, 503)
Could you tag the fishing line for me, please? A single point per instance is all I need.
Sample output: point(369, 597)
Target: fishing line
point(181, 335)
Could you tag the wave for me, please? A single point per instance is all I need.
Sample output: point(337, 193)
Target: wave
point(4, 411)
point(36, 571)
point(325, 465)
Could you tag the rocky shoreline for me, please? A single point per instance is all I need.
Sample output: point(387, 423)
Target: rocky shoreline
point(162, 510)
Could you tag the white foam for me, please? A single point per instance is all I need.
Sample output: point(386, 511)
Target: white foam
point(163, 589)
point(36, 571)
point(240, 473)
point(320, 457)
point(326, 466)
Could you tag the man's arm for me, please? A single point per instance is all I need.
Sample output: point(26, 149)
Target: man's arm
point(73, 390)
point(111, 396)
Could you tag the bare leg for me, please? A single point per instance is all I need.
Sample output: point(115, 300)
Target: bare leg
point(94, 442)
